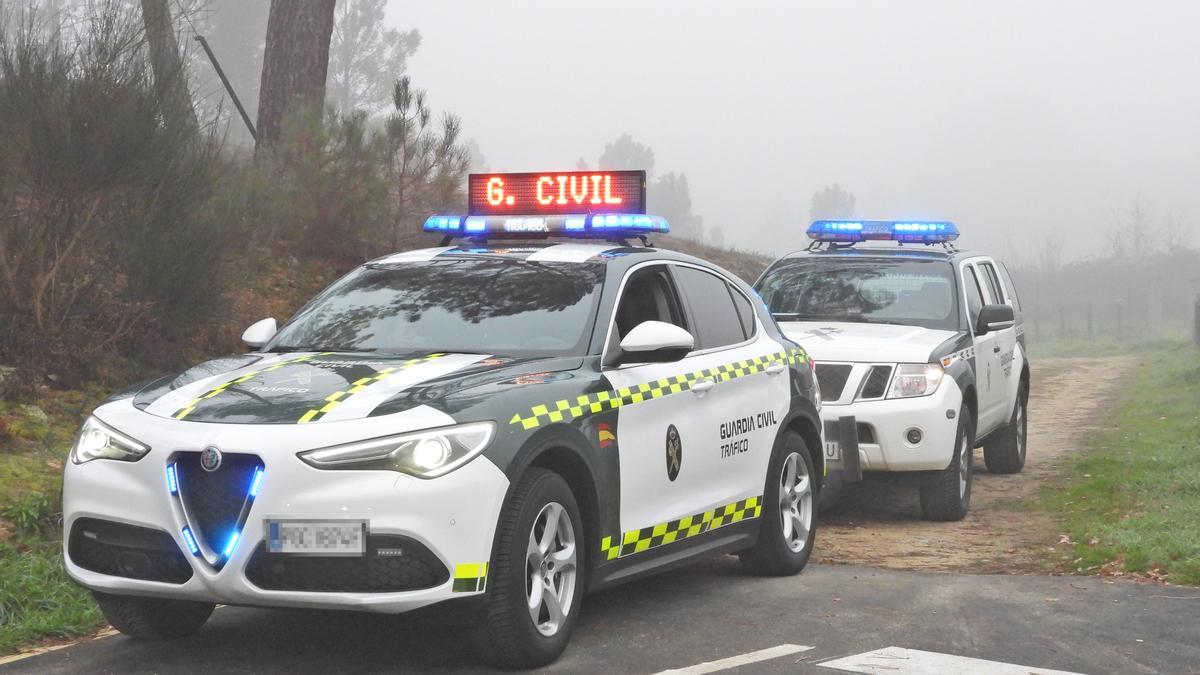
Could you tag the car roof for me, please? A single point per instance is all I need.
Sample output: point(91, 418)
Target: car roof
point(910, 252)
point(616, 256)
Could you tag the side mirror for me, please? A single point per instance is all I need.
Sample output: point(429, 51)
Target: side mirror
point(994, 317)
point(260, 333)
point(656, 342)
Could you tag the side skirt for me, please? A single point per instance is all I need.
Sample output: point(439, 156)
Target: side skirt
point(728, 539)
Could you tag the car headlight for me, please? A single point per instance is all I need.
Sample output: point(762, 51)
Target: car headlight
point(916, 379)
point(424, 454)
point(100, 441)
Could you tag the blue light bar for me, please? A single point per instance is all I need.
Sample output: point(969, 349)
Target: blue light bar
point(191, 541)
point(916, 232)
point(172, 480)
point(256, 483)
point(600, 226)
point(229, 545)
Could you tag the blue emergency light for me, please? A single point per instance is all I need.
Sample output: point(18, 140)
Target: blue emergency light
point(597, 225)
point(905, 232)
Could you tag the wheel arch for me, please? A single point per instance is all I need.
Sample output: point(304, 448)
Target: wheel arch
point(807, 424)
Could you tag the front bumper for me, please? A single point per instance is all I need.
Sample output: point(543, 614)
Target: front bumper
point(453, 516)
point(883, 425)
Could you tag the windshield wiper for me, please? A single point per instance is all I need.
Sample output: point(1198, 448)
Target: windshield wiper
point(289, 349)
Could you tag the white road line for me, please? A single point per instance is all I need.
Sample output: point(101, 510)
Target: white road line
point(740, 660)
point(901, 661)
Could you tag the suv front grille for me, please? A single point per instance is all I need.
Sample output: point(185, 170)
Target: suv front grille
point(129, 551)
point(832, 378)
point(392, 563)
point(214, 500)
point(875, 383)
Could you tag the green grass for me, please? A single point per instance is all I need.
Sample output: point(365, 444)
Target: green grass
point(1133, 503)
point(1099, 346)
point(37, 599)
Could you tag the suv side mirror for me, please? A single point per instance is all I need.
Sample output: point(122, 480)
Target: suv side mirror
point(994, 317)
point(260, 333)
point(656, 342)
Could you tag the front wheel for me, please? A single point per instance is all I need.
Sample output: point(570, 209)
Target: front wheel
point(153, 618)
point(1004, 451)
point(789, 517)
point(536, 580)
point(949, 496)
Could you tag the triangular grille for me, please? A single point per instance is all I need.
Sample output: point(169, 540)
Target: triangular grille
point(214, 501)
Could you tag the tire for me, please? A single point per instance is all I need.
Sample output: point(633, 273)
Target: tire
point(153, 618)
point(1005, 451)
point(949, 497)
point(506, 635)
point(783, 547)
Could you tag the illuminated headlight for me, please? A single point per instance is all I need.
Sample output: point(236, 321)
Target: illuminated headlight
point(99, 441)
point(916, 379)
point(424, 454)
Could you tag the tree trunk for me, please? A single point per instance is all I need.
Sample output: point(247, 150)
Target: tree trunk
point(295, 63)
point(170, 79)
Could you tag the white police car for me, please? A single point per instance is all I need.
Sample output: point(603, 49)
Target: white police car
point(920, 353)
point(489, 428)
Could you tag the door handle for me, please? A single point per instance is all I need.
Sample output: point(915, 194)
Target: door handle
point(776, 369)
point(996, 349)
point(703, 386)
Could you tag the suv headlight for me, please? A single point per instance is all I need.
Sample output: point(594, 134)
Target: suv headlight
point(916, 379)
point(424, 454)
point(99, 441)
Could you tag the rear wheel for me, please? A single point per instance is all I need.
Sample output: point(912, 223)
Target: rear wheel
point(789, 517)
point(536, 580)
point(153, 618)
point(949, 497)
point(1004, 451)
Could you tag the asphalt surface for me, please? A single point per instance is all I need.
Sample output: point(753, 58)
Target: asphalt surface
point(710, 612)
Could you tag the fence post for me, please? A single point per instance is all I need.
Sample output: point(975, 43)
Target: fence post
point(1062, 322)
point(1118, 319)
point(1196, 320)
point(1091, 334)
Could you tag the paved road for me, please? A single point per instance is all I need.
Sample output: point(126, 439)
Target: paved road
point(711, 612)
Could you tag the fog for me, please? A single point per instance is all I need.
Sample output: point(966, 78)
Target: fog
point(1014, 119)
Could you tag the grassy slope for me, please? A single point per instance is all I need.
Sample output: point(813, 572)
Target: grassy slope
point(1133, 503)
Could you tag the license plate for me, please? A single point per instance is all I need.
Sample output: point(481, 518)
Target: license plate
point(317, 537)
point(832, 450)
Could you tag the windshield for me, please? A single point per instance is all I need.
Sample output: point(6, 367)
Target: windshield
point(867, 290)
point(486, 305)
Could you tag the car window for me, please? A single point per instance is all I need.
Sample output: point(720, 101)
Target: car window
point(1013, 296)
point(649, 295)
point(993, 282)
point(712, 308)
point(974, 293)
point(745, 311)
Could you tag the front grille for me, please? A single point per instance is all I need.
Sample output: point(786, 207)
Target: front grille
point(392, 563)
point(214, 500)
point(875, 383)
point(128, 551)
point(832, 378)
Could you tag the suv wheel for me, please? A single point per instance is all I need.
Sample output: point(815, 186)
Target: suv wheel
point(949, 497)
point(789, 516)
point(536, 579)
point(153, 618)
point(1004, 452)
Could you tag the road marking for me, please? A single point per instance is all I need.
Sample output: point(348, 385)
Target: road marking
point(901, 661)
point(740, 660)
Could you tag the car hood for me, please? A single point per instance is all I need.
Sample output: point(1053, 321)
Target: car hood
point(865, 342)
point(310, 388)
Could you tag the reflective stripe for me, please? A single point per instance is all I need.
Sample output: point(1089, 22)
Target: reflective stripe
point(636, 541)
point(336, 398)
point(567, 410)
point(470, 577)
point(191, 405)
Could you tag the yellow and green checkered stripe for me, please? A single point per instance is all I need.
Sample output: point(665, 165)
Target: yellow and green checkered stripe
point(470, 577)
point(636, 541)
point(567, 410)
point(336, 398)
point(191, 405)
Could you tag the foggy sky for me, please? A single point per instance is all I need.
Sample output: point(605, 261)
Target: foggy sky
point(1013, 119)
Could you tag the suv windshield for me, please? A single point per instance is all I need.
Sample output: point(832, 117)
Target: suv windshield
point(867, 290)
point(477, 304)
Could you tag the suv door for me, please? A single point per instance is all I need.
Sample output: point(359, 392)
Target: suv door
point(658, 438)
point(988, 377)
point(1006, 339)
point(748, 401)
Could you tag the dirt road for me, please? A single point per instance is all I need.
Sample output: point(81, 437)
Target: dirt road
point(879, 524)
